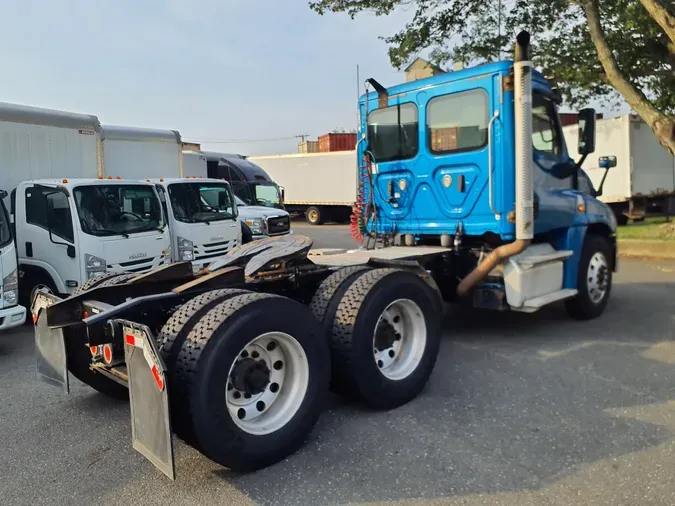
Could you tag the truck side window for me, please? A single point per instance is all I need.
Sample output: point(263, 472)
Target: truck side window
point(457, 122)
point(393, 132)
point(36, 211)
point(545, 128)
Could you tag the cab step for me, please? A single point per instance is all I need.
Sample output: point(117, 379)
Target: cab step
point(536, 303)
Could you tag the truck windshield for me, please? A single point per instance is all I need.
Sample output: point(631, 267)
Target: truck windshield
point(118, 209)
point(393, 133)
point(201, 202)
point(258, 194)
point(5, 233)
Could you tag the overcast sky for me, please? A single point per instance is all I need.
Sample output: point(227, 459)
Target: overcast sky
point(212, 69)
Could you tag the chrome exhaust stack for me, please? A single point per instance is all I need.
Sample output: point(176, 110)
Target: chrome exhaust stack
point(522, 95)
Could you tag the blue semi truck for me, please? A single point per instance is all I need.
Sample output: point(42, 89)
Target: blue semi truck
point(467, 195)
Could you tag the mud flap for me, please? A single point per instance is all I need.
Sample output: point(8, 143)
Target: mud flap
point(149, 397)
point(50, 346)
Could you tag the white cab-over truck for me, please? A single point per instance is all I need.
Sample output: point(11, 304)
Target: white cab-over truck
point(322, 186)
point(11, 313)
point(69, 222)
point(644, 177)
point(201, 213)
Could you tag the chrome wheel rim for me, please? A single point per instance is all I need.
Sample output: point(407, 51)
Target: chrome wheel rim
point(399, 339)
point(267, 383)
point(313, 216)
point(597, 278)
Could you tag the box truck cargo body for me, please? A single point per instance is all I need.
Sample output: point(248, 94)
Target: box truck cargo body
point(322, 186)
point(43, 144)
point(135, 153)
point(644, 177)
point(194, 164)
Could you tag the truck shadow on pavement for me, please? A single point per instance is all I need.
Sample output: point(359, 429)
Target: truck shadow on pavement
point(516, 404)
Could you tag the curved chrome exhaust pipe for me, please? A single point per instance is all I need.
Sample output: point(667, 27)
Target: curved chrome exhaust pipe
point(522, 96)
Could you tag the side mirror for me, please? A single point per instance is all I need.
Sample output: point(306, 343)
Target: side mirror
point(3, 194)
point(586, 131)
point(283, 194)
point(605, 162)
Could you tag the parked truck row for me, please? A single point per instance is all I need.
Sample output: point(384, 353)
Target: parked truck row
point(237, 359)
point(80, 199)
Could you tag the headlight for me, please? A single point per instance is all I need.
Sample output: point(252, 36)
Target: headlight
point(185, 250)
point(93, 265)
point(257, 226)
point(10, 288)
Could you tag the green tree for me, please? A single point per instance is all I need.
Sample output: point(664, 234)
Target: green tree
point(596, 49)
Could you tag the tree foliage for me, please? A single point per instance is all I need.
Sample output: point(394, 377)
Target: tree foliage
point(597, 49)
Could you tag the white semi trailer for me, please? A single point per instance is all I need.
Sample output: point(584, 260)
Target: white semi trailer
point(644, 177)
point(322, 186)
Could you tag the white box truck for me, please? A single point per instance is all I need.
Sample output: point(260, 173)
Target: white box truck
point(69, 224)
point(201, 213)
point(644, 177)
point(322, 186)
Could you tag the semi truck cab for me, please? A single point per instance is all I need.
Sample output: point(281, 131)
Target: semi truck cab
point(69, 230)
point(203, 219)
point(249, 181)
point(11, 313)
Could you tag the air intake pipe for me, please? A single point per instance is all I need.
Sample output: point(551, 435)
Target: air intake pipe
point(522, 69)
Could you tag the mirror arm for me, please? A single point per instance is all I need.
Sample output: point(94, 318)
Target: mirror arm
point(598, 192)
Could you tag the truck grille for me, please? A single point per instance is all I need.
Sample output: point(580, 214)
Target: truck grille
point(278, 225)
point(140, 266)
point(213, 250)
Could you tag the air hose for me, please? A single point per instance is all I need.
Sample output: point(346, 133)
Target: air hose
point(359, 220)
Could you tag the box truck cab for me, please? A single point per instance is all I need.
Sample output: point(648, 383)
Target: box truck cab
point(69, 230)
point(11, 313)
point(249, 181)
point(202, 217)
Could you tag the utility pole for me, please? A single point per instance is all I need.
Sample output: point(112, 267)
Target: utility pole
point(302, 137)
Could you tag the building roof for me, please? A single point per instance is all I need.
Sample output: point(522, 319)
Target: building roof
point(426, 62)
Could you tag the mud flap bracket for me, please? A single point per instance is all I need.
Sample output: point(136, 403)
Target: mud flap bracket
point(149, 397)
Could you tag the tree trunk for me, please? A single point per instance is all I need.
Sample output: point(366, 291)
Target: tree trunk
point(662, 125)
point(660, 14)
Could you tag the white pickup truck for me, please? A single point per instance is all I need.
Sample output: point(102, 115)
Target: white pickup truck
point(262, 221)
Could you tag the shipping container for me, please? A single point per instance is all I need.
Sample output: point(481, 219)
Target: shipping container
point(644, 177)
point(308, 147)
point(337, 142)
point(322, 186)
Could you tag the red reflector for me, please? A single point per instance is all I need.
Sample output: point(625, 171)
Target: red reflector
point(158, 378)
point(34, 318)
point(94, 350)
point(107, 353)
point(85, 315)
point(131, 340)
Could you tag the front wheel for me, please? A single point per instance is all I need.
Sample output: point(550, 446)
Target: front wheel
point(594, 281)
point(313, 216)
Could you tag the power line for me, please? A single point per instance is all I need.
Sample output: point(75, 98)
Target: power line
point(238, 141)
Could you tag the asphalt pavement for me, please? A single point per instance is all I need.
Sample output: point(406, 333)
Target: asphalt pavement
point(521, 409)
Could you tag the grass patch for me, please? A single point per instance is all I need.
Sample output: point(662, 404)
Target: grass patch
point(654, 229)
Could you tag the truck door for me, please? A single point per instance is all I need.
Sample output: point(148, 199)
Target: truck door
point(47, 209)
point(555, 200)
